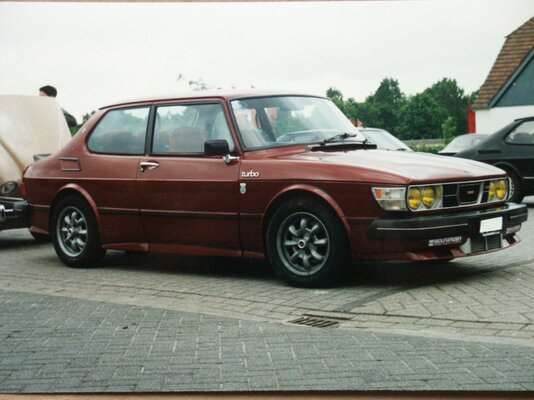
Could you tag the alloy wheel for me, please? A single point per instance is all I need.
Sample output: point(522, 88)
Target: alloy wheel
point(303, 243)
point(72, 231)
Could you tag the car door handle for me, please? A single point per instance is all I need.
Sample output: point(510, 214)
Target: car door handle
point(148, 165)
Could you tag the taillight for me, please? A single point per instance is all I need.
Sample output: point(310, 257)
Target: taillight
point(24, 190)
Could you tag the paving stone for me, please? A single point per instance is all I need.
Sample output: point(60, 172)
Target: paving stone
point(409, 326)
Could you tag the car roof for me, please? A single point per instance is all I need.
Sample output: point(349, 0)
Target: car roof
point(208, 94)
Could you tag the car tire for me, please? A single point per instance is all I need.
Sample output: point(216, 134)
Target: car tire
point(515, 190)
point(306, 243)
point(75, 233)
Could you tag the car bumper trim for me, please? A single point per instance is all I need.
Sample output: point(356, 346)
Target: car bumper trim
point(434, 227)
point(17, 215)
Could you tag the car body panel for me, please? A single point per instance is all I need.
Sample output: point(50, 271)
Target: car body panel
point(190, 201)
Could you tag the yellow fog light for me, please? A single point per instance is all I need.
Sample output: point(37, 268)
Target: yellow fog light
point(429, 196)
point(501, 189)
point(415, 197)
point(491, 193)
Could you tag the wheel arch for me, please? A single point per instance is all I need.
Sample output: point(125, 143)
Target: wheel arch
point(297, 191)
point(76, 190)
point(507, 166)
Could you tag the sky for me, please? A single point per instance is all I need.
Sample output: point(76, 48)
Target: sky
point(99, 53)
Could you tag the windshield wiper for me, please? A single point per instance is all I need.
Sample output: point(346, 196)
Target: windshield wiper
point(339, 136)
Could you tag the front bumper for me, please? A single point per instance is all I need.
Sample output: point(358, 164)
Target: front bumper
point(14, 213)
point(445, 236)
point(434, 227)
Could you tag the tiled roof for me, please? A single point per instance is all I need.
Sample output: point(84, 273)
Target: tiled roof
point(517, 46)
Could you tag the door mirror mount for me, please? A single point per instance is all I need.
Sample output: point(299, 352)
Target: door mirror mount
point(216, 148)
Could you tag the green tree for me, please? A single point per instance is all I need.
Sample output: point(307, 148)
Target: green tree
point(420, 118)
point(448, 129)
point(381, 109)
point(438, 111)
point(388, 92)
point(453, 103)
point(337, 97)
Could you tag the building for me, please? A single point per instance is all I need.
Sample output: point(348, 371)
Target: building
point(508, 92)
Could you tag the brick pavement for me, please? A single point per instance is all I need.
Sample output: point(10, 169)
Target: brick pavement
point(201, 324)
point(58, 344)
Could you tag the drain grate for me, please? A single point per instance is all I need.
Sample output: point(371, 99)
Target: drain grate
point(316, 322)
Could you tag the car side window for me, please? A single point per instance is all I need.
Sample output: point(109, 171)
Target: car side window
point(523, 134)
point(184, 128)
point(120, 132)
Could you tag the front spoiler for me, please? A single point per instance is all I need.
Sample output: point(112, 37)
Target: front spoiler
point(14, 213)
point(434, 227)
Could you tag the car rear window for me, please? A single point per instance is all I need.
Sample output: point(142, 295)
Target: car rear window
point(523, 134)
point(121, 132)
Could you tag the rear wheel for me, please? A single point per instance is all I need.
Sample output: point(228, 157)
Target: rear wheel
point(75, 233)
point(306, 243)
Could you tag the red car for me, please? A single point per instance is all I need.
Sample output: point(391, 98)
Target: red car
point(278, 176)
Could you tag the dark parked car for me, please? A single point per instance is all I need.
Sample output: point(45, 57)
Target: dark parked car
point(277, 176)
point(462, 142)
point(511, 149)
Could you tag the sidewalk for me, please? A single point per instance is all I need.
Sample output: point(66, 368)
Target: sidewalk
point(61, 345)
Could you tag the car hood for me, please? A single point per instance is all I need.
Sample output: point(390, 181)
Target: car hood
point(388, 166)
point(29, 125)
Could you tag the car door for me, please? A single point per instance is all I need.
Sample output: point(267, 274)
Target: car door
point(108, 172)
point(188, 201)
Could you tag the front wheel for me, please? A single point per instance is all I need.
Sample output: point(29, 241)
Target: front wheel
point(306, 243)
point(75, 233)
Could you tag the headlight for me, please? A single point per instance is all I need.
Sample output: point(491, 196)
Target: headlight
point(429, 196)
point(491, 191)
point(501, 189)
point(390, 198)
point(498, 190)
point(422, 198)
point(415, 198)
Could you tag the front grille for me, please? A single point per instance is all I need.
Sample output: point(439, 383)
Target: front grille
point(493, 242)
point(468, 194)
point(464, 194)
point(450, 197)
point(486, 243)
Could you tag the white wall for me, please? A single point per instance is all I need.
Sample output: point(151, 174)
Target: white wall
point(488, 121)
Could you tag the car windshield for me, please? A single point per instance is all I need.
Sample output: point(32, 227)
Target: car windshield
point(463, 142)
point(267, 122)
point(384, 140)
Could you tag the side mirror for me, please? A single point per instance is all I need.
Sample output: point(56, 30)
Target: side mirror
point(216, 148)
